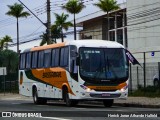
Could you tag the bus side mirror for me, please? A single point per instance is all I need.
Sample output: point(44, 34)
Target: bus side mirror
point(77, 61)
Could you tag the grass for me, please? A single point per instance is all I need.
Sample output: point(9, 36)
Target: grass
point(149, 91)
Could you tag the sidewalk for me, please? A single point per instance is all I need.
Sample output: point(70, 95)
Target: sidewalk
point(130, 102)
point(13, 96)
point(139, 102)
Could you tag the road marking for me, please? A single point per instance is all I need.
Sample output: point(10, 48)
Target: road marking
point(16, 103)
point(80, 108)
point(55, 118)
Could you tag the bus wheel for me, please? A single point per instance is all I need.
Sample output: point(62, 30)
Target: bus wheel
point(68, 101)
point(108, 103)
point(36, 99)
point(35, 96)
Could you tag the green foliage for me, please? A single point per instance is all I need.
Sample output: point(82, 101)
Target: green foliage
point(16, 10)
point(9, 59)
point(4, 42)
point(107, 5)
point(149, 91)
point(44, 39)
point(55, 34)
point(74, 6)
point(61, 23)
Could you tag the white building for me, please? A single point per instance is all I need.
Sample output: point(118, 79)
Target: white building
point(143, 25)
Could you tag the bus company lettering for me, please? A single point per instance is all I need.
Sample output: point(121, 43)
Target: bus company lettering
point(51, 74)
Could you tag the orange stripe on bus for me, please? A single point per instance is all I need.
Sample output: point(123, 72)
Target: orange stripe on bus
point(54, 76)
point(48, 46)
point(120, 86)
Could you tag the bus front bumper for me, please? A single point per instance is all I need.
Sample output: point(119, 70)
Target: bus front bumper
point(104, 95)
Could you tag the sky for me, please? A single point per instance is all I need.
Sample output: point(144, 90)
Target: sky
point(30, 28)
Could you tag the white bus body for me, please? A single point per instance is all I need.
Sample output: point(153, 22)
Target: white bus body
point(74, 71)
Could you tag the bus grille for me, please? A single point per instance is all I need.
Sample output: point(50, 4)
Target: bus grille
point(103, 96)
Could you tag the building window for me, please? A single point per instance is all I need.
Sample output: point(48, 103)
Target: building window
point(120, 36)
point(126, 38)
point(111, 23)
point(112, 35)
point(119, 21)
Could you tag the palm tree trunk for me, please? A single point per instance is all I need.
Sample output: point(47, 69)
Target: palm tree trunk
point(108, 26)
point(17, 37)
point(75, 28)
point(62, 35)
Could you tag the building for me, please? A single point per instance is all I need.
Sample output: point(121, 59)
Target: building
point(95, 25)
point(143, 19)
point(136, 26)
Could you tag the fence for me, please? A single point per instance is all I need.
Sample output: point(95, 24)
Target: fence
point(9, 83)
point(143, 76)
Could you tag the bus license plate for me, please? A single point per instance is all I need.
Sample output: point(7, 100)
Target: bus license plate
point(105, 94)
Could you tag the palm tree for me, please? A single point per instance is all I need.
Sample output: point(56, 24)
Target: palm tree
point(16, 11)
point(4, 42)
point(74, 7)
point(44, 39)
point(61, 23)
point(6, 39)
point(107, 6)
point(55, 34)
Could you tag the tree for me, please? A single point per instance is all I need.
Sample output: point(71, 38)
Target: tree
point(9, 59)
point(44, 39)
point(16, 11)
point(55, 34)
point(107, 6)
point(4, 42)
point(74, 7)
point(61, 23)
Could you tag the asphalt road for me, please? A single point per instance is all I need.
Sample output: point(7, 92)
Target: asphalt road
point(56, 110)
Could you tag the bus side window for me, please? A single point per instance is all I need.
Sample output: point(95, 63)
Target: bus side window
point(47, 58)
point(28, 60)
point(73, 58)
point(64, 57)
point(34, 59)
point(22, 61)
point(40, 59)
point(55, 58)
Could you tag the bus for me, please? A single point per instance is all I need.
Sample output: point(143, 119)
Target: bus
point(75, 71)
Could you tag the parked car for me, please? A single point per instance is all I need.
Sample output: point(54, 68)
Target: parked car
point(156, 81)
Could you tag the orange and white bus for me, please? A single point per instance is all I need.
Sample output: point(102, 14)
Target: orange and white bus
point(74, 71)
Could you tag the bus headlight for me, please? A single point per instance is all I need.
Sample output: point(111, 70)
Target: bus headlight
point(85, 88)
point(124, 88)
point(88, 89)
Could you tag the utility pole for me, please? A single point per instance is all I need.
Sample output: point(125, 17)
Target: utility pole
point(48, 22)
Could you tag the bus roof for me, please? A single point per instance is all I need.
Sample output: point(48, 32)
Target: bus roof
point(80, 43)
point(96, 43)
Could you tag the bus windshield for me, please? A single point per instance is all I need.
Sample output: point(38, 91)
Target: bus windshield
point(103, 64)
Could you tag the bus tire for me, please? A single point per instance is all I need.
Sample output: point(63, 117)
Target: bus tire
point(108, 103)
point(68, 101)
point(36, 99)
